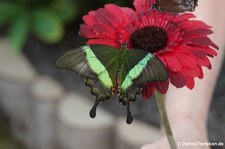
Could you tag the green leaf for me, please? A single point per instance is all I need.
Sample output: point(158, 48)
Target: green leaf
point(18, 32)
point(8, 11)
point(47, 26)
point(65, 9)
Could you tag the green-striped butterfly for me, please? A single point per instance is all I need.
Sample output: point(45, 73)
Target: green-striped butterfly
point(107, 70)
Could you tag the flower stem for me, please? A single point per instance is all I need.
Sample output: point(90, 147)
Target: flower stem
point(163, 114)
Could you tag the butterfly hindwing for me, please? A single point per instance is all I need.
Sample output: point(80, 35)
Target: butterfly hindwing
point(153, 72)
point(128, 90)
point(85, 62)
point(143, 67)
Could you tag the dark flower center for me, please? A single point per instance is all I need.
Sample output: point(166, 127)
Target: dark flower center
point(150, 38)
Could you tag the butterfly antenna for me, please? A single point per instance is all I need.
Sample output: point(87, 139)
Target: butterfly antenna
point(129, 115)
point(94, 108)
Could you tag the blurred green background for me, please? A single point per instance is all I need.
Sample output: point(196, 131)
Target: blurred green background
point(46, 19)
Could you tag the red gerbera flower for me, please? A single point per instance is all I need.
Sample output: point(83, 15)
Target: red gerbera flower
point(178, 40)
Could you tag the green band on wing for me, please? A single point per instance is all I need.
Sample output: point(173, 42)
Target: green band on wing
point(135, 72)
point(97, 67)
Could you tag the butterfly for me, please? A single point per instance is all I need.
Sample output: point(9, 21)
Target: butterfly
point(175, 6)
point(108, 70)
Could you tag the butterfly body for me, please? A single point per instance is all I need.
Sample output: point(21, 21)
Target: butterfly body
point(107, 70)
point(176, 6)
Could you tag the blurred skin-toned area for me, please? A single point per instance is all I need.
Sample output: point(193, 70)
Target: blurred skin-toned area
point(188, 109)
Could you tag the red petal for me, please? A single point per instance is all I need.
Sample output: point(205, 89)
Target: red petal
point(86, 31)
point(186, 60)
point(200, 31)
point(145, 21)
point(195, 51)
point(90, 18)
point(148, 90)
point(190, 83)
point(162, 87)
point(191, 72)
point(104, 42)
point(198, 51)
point(183, 17)
point(204, 62)
point(128, 11)
point(201, 74)
point(201, 41)
point(209, 51)
point(194, 24)
point(122, 14)
point(143, 5)
point(177, 79)
point(103, 30)
point(107, 18)
point(173, 63)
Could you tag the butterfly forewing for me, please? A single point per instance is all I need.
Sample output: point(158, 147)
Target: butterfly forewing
point(76, 61)
point(86, 62)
